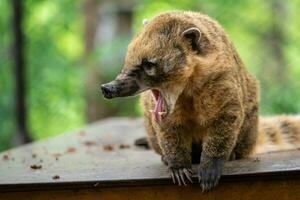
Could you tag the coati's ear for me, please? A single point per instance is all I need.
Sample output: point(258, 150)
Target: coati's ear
point(192, 36)
point(145, 22)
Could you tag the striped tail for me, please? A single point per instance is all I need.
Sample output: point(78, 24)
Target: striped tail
point(278, 133)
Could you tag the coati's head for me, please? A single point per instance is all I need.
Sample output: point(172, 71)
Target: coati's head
point(160, 59)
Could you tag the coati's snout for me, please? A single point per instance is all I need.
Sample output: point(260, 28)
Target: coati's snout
point(121, 87)
point(159, 59)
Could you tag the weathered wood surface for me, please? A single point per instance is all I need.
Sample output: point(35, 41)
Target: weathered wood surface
point(83, 160)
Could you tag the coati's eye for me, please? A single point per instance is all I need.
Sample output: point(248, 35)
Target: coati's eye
point(149, 67)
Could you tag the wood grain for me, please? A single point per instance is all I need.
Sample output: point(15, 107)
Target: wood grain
point(82, 160)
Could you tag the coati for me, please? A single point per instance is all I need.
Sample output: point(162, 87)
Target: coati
point(200, 103)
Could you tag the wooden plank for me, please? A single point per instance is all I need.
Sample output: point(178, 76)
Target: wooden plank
point(82, 159)
point(266, 190)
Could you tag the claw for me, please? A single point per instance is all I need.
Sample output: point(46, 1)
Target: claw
point(206, 187)
point(199, 177)
point(182, 177)
point(203, 189)
point(187, 174)
point(172, 175)
point(209, 186)
point(178, 178)
point(216, 182)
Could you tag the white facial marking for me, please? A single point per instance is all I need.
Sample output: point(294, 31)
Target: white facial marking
point(171, 95)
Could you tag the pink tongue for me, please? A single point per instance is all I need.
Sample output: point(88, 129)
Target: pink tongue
point(158, 107)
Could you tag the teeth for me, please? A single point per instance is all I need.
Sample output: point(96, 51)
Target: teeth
point(162, 113)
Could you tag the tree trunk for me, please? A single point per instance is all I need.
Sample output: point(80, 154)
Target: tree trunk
point(275, 70)
point(94, 109)
point(22, 135)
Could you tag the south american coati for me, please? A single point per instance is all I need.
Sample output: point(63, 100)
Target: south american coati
point(198, 98)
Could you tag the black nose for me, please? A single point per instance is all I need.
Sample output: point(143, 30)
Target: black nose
point(106, 91)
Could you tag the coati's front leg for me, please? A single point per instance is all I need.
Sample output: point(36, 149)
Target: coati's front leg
point(151, 134)
point(176, 149)
point(217, 146)
point(152, 139)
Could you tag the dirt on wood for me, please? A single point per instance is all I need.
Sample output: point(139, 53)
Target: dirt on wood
point(5, 157)
point(108, 147)
point(124, 146)
point(89, 143)
point(55, 177)
point(36, 167)
point(71, 150)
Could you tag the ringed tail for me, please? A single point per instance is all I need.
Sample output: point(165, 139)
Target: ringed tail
point(278, 133)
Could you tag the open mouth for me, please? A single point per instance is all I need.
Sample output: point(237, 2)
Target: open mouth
point(159, 111)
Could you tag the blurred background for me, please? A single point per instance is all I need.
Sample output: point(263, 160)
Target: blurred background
point(70, 47)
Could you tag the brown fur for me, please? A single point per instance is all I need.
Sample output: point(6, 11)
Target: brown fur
point(211, 100)
point(217, 104)
point(278, 133)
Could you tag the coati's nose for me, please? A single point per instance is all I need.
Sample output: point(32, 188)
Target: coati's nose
point(107, 90)
point(120, 88)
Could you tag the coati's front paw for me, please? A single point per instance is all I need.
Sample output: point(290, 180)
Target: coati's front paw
point(180, 174)
point(209, 172)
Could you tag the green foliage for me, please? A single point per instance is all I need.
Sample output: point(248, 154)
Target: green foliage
point(55, 75)
point(6, 83)
point(54, 47)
